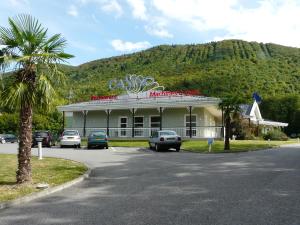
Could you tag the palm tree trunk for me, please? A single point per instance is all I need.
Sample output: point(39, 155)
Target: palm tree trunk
point(227, 132)
point(24, 156)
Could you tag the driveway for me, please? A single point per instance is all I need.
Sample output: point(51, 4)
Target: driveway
point(138, 186)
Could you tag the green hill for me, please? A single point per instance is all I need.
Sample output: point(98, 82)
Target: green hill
point(217, 68)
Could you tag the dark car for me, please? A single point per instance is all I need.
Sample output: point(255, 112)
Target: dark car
point(47, 138)
point(97, 139)
point(10, 138)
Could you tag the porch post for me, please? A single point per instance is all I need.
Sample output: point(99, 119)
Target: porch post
point(84, 122)
point(107, 121)
point(132, 123)
point(160, 118)
point(190, 109)
point(222, 130)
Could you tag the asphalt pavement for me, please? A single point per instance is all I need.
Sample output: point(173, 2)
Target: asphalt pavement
point(139, 186)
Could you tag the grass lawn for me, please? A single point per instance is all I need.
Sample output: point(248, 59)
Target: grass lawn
point(235, 146)
point(202, 146)
point(49, 170)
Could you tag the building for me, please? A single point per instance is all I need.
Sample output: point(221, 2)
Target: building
point(137, 115)
point(251, 113)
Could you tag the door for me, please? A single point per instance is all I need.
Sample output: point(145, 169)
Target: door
point(154, 124)
point(123, 126)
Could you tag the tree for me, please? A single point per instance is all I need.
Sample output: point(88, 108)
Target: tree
point(33, 57)
point(230, 106)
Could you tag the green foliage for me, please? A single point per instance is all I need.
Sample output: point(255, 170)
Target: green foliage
point(9, 123)
point(284, 108)
point(275, 135)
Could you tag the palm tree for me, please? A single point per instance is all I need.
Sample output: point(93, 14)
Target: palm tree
point(33, 58)
point(230, 106)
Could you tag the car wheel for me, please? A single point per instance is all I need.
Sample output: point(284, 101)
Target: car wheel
point(61, 146)
point(89, 147)
point(157, 147)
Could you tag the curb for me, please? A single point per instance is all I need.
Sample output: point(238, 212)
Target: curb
point(45, 192)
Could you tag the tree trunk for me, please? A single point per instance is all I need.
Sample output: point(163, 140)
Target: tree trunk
point(24, 155)
point(227, 132)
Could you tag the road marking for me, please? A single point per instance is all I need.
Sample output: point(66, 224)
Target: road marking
point(112, 148)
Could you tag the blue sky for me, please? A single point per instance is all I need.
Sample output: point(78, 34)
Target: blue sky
point(98, 29)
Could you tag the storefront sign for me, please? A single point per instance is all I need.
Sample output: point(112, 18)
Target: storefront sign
point(134, 84)
point(173, 93)
point(105, 97)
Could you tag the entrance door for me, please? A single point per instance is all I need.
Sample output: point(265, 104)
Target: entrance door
point(123, 126)
point(154, 123)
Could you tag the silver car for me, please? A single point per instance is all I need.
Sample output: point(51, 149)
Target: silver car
point(70, 138)
point(164, 139)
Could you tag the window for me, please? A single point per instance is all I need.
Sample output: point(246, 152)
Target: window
point(193, 124)
point(155, 121)
point(138, 125)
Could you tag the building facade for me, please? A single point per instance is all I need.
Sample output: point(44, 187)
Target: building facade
point(138, 115)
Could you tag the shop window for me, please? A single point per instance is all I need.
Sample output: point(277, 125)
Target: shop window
point(138, 125)
point(193, 123)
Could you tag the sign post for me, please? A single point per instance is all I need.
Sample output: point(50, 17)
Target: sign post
point(40, 150)
point(210, 141)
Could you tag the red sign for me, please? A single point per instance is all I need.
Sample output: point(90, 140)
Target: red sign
point(173, 93)
point(105, 97)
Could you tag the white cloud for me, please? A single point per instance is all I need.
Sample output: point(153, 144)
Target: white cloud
point(126, 46)
point(138, 9)
point(112, 7)
point(158, 27)
point(267, 21)
point(72, 11)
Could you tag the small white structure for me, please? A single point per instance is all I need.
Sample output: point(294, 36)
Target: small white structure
point(252, 113)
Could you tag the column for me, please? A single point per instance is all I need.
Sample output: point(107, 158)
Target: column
point(107, 121)
point(132, 123)
point(84, 122)
point(160, 118)
point(190, 109)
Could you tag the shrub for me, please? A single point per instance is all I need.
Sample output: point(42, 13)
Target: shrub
point(276, 135)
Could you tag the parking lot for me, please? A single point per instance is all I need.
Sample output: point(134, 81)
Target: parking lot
point(140, 186)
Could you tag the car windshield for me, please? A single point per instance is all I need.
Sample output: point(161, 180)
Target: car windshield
point(97, 134)
point(70, 133)
point(41, 134)
point(167, 133)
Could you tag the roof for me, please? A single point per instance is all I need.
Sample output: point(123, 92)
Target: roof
point(252, 112)
point(141, 100)
point(245, 109)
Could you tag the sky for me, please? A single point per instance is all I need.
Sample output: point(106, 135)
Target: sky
point(97, 29)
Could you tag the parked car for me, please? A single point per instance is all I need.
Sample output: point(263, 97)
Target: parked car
point(165, 139)
point(70, 138)
point(10, 138)
point(2, 139)
point(97, 139)
point(47, 138)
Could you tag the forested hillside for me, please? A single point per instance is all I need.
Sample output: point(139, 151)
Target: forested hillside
point(217, 68)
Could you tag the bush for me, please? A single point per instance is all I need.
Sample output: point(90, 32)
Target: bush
point(276, 135)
